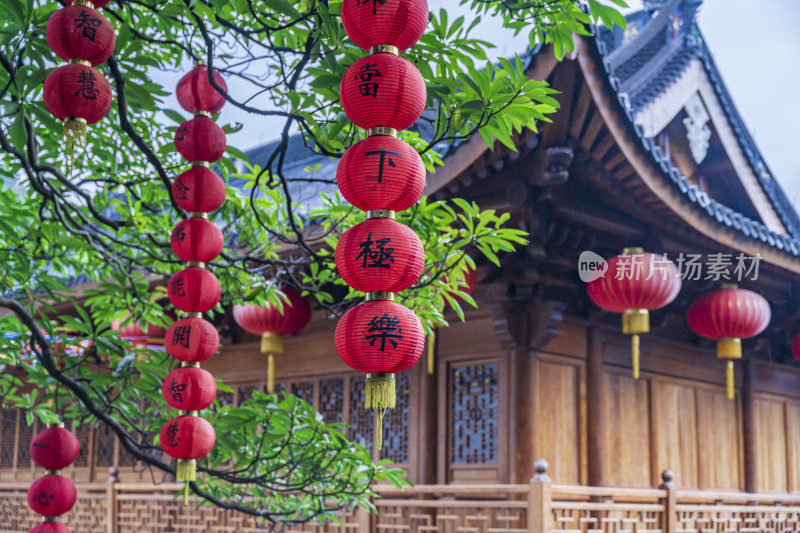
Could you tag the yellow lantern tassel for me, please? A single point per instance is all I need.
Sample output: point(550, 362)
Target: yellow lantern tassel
point(271, 374)
point(74, 133)
point(187, 471)
point(729, 381)
point(431, 350)
point(379, 428)
point(379, 395)
point(635, 355)
point(634, 323)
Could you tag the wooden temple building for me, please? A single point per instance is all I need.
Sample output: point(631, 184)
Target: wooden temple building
point(647, 149)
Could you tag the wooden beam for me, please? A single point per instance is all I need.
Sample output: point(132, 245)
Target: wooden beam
point(749, 428)
point(595, 402)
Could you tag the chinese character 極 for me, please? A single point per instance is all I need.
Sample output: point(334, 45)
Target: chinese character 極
point(87, 89)
point(383, 154)
point(385, 328)
point(366, 73)
point(88, 24)
point(380, 256)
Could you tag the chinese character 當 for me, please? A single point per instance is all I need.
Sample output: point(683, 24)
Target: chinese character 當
point(366, 73)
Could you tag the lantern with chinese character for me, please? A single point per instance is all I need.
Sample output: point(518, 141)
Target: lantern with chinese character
point(77, 93)
point(381, 93)
point(50, 527)
point(727, 316)
point(194, 290)
point(635, 283)
point(272, 324)
point(52, 495)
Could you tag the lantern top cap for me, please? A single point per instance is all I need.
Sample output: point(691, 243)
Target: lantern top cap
point(384, 48)
point(200, 63)
point(729, 286)
point(632, 250)
point(379, 295)
point(55, 425)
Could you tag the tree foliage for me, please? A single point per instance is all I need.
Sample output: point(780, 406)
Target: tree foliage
point(86, 244)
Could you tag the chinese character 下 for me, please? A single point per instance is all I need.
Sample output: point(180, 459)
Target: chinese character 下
point(383, 154)
point(375, 3)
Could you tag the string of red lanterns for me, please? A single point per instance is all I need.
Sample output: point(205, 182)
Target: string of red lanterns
point(381, 174)
point(727, 316)
point(77, 93)
point(635, 283)
point(52, 495)
point(272, 323)
point(194, 290)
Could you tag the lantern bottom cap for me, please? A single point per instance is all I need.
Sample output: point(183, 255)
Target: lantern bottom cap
point(271, 343)
point(635, 321)
point(729, 348)
point(187, 470)
point(379, 392)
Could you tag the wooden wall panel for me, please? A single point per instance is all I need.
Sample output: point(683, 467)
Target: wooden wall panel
point(627, 431)
point(557, 419)
point(674, 423)
point(793, 445)
point(718, 440)
point(771, 445)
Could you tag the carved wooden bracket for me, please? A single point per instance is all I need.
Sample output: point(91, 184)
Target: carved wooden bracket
point(536, 322)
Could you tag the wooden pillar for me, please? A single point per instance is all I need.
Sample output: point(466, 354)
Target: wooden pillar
point(594, 412)
point(670, 524)
point(749, 428)
point(425, 392)
point(522, 395)
point(112, 525)
point(540, 519)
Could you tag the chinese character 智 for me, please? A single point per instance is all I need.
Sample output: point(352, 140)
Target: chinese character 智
point(80, 32)
point(196, 239)
point(189, 388)
point(380, 254)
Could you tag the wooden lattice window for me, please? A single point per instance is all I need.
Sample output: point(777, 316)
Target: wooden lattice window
point(104, 446)
point(244, 393)
point(304, 390)
point(474, 413)
point(361, 421)
point(395, 423)
point(26, 434)
point(84, 435)
point(8, 437)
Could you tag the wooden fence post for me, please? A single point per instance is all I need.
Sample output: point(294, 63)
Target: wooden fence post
point(363, 518)
point(540, 519)
point(112, 525)
point(670, 511)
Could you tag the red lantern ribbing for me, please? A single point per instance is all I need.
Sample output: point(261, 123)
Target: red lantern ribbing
point(727, 316)
point(635, 283)
point(52, 495)
point(194, 290)
point(382, 93)
point(77, 93)
point(796, 346)
point(272, 324)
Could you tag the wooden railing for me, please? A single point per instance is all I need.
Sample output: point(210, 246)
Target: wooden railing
point(536, 507)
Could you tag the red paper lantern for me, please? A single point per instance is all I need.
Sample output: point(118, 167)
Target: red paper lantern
point(380, 254)
point(50, 527)
point(54, 448)
point(259, 320)
point(198, 190)
point(635, 283)
point(381, 172)
point(192, 340)
point(96, 3)
point(196, 240)
point(727, 316)
point(131, 332)
point(796, 346)
point(398, 23)
point(383, 90)
point(200, 139)
point(187, 437)
point(79, 32)
point(189, 388)
point(52, 495)
point(379, 336)
point(194, 290)
point(195, 93)
point(77, 91)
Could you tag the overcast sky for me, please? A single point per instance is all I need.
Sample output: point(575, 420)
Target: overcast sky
point(756, 46)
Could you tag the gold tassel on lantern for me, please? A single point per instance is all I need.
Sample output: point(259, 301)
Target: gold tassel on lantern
point(272, 344)
point(634, 323)
point(187, 471)
point(379, 395)
point(431, 350)
point(730, 349)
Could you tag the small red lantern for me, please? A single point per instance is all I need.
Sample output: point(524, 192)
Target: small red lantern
point(796, 346)
point(187, 437)
point(196, 240)
point(50, 527)
point(272, 323)
point(635, 283)
point(399, 23)
point(78, 95)
point(189, 388)
point(727, 316)
point(198, 190)
point(80, 32)
point(195, 93)
point(383, 89)
point(55, 448)
point(380, 338)
point(381, 172)
point(200, 139)
point(52, 495)
point(192, 340)
point(194, 290)
point(380, 254)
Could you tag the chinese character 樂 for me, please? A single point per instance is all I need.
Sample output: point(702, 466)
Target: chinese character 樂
point(382, 160)
point(380, 256)
point(384, 328)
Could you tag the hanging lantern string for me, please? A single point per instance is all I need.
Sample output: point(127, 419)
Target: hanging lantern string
point(431, 350)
